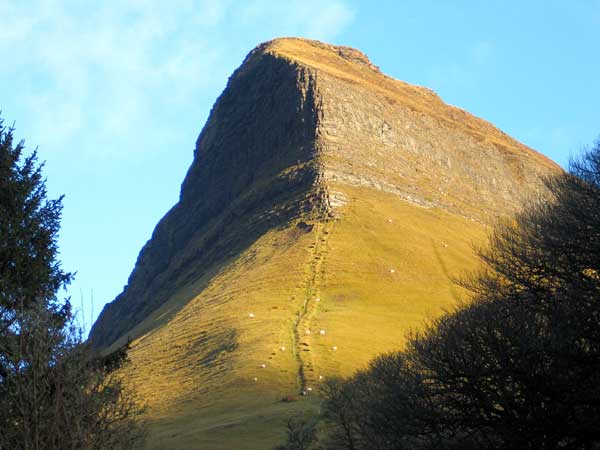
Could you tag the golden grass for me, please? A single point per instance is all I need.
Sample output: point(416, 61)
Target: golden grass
point(196, 367)
point(382, 279)
point(327, 58)
point(380, 269)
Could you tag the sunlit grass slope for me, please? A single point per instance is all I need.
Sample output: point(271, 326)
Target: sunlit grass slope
point(379, 270)
point(388, 266)
point(327, 212)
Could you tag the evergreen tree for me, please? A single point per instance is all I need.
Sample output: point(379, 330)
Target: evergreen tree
point(29, 224)
point(29, 270)
point(54, 393)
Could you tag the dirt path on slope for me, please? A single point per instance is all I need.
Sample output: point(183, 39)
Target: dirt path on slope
point(302, 334)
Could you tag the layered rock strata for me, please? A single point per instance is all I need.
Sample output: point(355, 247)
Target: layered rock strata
point(326, 213)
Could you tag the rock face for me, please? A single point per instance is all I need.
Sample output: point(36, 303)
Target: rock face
point(254, 168)
point(323, 196)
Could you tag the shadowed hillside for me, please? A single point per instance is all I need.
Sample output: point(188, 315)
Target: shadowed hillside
point(326, 211)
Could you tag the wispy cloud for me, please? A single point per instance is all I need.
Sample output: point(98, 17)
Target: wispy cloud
point(101, 70)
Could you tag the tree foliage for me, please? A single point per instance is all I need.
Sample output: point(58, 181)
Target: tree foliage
point(301, 435)
point(518, 367)
point(29, 269)
point(54, 393)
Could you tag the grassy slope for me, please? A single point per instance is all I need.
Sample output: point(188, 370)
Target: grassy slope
point(326, 58)
point(197, 356)
point(196, 369)
point(365, 308)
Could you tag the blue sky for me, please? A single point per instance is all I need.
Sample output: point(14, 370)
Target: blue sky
point(114, 93)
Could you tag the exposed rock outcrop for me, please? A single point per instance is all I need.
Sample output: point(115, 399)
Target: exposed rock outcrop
point(326, 212)
point(254, 168)
point(296, 115)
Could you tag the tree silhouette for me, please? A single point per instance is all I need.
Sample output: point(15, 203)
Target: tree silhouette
point(518, 367)
point(54, 394)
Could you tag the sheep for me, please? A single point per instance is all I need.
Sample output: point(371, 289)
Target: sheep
point(282, 348)
point(322, 332)
point(390, 220)
point(263, 366)
point(317, 299)
point(255, 379)
point(320, 377)
point(392, 271)
point(334, 348)
point(307, 332)
point(251, 315)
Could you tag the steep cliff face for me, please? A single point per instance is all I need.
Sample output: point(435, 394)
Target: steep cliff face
point(254, 168)
point(325, 214)
point(385, 134)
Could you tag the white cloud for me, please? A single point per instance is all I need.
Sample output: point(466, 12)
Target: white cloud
point(87, 72)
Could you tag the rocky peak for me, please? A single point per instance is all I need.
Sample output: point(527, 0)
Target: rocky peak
point(298, 120)
point(294, 48)
point(326, 213)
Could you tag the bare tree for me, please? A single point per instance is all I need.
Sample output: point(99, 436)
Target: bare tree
point(518, 367)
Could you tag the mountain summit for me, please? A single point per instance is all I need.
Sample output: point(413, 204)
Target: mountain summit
point(325, 214)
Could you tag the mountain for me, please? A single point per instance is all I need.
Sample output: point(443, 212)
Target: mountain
point(326, 213)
